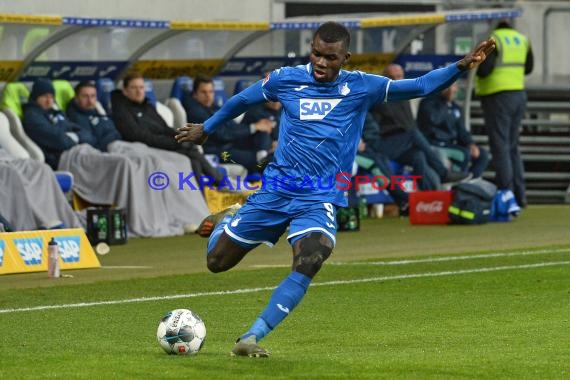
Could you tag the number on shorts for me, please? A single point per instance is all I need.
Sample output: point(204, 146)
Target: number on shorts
point(330, 211)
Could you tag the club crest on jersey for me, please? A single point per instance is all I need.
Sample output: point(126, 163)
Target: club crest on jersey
point(316, 109)
point(344, 90)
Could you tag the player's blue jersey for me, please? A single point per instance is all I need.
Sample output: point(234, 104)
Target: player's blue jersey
point(321, 125)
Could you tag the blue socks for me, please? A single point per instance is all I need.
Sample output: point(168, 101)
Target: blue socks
point(283, 300)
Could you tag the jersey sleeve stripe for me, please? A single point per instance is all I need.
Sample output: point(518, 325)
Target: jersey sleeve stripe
point(387, 88)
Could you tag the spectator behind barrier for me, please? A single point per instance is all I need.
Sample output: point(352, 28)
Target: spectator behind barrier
point(48, 127)
point(378, 164)
point(83, 111)
point(401, 141)
point(247, 144)
point(440, 119)
point(137, 120)
point(171, 212)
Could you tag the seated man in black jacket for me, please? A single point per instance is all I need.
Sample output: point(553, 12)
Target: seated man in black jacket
point(47, 126)
point(401, 141)
point(371, 158)
point(137, 120)
point(179, 209)
point(440, 119)
point(247, 144)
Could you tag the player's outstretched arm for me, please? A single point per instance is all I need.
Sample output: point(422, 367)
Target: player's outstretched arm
point(438, 79)
point(478, 55)
point(191, 132)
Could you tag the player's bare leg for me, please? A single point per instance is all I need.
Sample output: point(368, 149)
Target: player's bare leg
point(225, 254)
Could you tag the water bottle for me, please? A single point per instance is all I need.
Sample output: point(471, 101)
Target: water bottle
point(102, 227)
point(53, 259)
point(352, 220)
point(117, 226)
point(362, 207)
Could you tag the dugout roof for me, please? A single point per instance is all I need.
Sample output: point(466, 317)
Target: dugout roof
point(75, 48)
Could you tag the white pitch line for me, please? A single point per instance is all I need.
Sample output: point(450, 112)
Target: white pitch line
point(429, 259)
point(268, 288)
point(451, 258)
point(443, 273)
point(125, 267)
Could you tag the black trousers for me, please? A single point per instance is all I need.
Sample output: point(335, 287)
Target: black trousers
point(503, 113)
point(200, 164)
point(411, 148)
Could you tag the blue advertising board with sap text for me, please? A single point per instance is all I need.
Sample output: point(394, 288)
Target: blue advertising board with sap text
point(22, 252)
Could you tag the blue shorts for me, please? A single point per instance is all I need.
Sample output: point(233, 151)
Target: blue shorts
point(265, 217)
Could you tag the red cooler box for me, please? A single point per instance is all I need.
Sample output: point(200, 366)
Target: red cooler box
point(430, 207)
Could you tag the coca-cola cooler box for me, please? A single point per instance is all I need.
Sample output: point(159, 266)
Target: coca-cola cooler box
point(430, 207)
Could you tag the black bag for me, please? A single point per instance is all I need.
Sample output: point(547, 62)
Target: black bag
point(472, 202)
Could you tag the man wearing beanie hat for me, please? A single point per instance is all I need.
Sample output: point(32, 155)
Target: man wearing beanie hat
point(47, 126)
point(41, 87)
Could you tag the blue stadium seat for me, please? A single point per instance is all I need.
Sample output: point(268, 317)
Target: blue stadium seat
point(220, 95)
point(397, 168)
point(181, 87)
point(242, 84)
point(65, 180)
point(104, 88)
point(149, 92)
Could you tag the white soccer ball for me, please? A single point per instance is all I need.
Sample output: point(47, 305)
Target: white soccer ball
point(181, 332)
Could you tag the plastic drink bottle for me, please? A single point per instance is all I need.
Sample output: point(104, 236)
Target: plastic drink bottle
point(53, 259)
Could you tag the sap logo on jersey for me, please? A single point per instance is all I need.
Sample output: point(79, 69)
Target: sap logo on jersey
point(68, 248)
point(2, 244)
point(316, 109)
point(30, 250)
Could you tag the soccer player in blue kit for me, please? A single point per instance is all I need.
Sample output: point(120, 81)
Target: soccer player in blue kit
point(324, 108)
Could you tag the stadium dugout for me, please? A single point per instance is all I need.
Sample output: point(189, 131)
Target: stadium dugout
point(237, 52)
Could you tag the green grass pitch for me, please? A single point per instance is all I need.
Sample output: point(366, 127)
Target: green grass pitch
point(394, 301)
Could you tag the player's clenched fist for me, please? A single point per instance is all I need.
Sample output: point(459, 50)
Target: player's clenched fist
point(191, 132)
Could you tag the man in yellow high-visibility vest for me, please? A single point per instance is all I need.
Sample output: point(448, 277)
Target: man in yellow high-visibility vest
point(500, 85)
